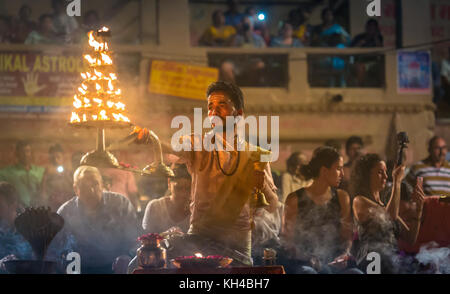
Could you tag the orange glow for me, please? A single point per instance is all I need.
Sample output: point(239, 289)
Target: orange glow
point(102, 103)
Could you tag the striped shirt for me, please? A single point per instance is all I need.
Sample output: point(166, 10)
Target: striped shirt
point(436, 181)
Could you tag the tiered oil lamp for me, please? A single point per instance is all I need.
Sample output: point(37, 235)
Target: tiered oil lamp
point(98, 104)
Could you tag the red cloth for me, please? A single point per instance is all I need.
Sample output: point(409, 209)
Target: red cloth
point(435, 226)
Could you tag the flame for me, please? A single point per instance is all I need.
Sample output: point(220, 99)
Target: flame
point(106, 59)
point(99, 101)
point(199, 255)
point(98, 107)
point(74, 118)
point(120, 106)
point(77, 102)
point(110, 85)
point(90, 59)
point(97, 73)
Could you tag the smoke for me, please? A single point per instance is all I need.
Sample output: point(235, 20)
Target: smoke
point(437, 258)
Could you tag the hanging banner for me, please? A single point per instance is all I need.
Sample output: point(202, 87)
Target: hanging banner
point(414, 72)
point(181, 80)
point(37, 82)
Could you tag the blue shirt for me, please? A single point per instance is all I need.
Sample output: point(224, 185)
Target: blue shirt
point(100, 238)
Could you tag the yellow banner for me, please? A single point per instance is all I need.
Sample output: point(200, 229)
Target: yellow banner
point(181, 80)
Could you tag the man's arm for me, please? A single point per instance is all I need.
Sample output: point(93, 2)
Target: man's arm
point(269, 190)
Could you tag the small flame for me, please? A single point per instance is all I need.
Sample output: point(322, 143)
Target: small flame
point(110, 104)
point(199, 255)
point(118, 92)
point(74, 118)
point(110, 85)
point(106, 59)
point(120, 106)
point(113, 76)
point(83, 75)
point(97, 73)
point(82, 90)
point(97, 86)
point(84, 117)
point(77, 102)
point(99, 101)
point(90, 59)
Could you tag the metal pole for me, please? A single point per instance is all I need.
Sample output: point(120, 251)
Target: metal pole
point(101, 139)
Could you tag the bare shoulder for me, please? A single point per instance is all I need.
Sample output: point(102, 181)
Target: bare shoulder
point(291, 200)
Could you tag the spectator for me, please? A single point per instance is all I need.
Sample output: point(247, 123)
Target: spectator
point(122, 182)
point(285, 38)
point(23, 26)
point(57, 182)
point(379, 223)
point(227, 72)
point(371, 37)
point(173, 210)
point(329, 33)
point(232, 16)
point(317, 232)
point(299, 19)
point(64, 25)
point(259, 26)
point(5, 30)
point(13, 245)
point(292, 179)
point(353, 147)
point(24, 176)
point(247, 37)
point(45, 32)
point(218, 34)
point(435, 169)
point(104, 224)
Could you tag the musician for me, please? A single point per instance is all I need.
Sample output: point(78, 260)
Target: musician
point(222, 182)
point(379, 223)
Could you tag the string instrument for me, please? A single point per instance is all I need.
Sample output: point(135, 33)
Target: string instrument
point(402, 140)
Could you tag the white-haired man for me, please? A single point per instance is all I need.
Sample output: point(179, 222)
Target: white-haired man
point(104, 224)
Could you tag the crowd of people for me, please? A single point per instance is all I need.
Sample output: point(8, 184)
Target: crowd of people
point(235, 29)
point(55, 27)
point(325, 216)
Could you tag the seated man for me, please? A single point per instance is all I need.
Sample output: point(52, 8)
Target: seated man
point(173, 210)
point(104, 224)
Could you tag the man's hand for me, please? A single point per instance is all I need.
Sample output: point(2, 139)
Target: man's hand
point(143, 135)
point(340, 262)
point(259, 179)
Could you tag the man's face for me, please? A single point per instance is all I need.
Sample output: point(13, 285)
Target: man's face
point(181, 190)
point(89, 189)
point(57, 158)
point(220, 105)
point(24, 155)
point(353, 151)
point(438, 150)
